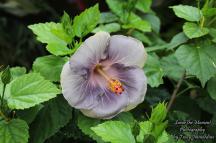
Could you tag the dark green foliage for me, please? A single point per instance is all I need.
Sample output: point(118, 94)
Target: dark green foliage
point(180, 40)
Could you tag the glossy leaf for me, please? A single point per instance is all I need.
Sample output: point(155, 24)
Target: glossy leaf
point(198, 61)
point(145, 129)
point(111, 27)
point(171, 67)
point(49, 67)
point(177, 40)
point(136, 22)
point(153, 71)
point(54, 36)
point(158, 114)
point(192, 30)
point(13, 131)
point(186, 12)
point(29, 90)
point(86, 21)
point(114, 132)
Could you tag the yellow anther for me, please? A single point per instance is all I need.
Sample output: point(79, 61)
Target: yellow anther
point(116, 86)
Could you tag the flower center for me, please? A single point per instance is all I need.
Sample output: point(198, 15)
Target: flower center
point(114, 85)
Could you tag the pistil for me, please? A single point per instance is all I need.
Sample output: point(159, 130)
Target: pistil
point(114, 85)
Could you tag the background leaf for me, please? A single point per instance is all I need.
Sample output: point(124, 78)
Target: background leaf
point(107, 17)
point(85, 124)
point(144, 5)
point(29, 114)
point(54, 115)
point(211, 88)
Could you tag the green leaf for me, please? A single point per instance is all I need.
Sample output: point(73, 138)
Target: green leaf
point(159, 129)
point(178, 115)
point(145, 129)
point(67, 25)
point(49, 66)
point(125, 117)
point(136, 22)
point(162, 95)
point(107, 17)
point(158, 114)
point(114, 132)
point(17, 71)
point(154, 21)
point(144, 5)
point(50, 32)
point(29, 90)
point(177, 40)
point(153, 71)
point(141, 36)
point(29, 114)
point(198, 60)
point(86, 21)
point(209, 12)
point(111, 27)
point(192, 30)
point(54, 36)
point(163, 138)
point(171, 67)
point(53, 116)
point(58, 49)
point(211, 88)
point(212, 32)
point(186, 12)
point(207, 104)
point(116, 6)
point(13, 131)
point(85, 123)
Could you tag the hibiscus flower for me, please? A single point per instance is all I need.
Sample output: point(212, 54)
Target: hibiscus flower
point(105, 76)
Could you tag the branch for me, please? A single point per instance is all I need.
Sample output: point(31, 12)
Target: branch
point(175, 91)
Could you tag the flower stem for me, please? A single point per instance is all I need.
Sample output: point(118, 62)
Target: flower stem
point(175, 91)
point(2, 98)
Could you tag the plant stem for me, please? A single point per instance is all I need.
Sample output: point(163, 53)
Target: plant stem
point(175, 91)
point(198, 4)
point(186, 89)
point(2, 114)
point(2, 98)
